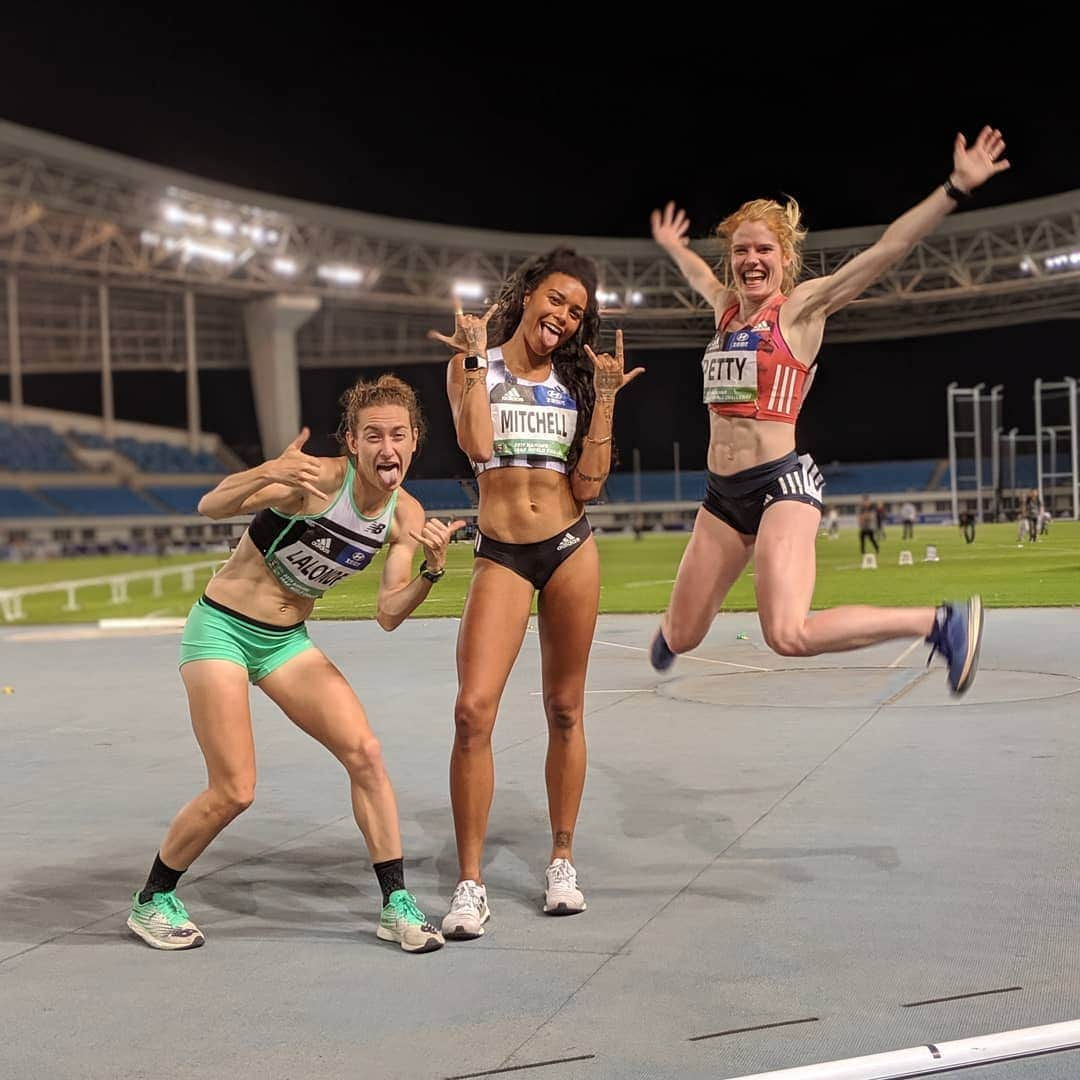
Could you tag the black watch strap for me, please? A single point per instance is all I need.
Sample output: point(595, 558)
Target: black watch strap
point(955, 193)
point(431, 575)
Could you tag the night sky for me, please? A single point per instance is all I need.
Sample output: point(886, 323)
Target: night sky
point(566, 129)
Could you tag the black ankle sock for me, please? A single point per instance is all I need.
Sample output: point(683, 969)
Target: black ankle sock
point(391, 875)
point(162, 879)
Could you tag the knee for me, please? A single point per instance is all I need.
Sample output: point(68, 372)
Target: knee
point(364, 760)
point(564, 718)
point(474, 720)
point(232, 797)
point(786, 639)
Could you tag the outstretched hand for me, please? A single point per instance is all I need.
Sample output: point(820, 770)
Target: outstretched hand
point(608, 374)
point(470, 332)
point(974, 165)
point(297, 469)
point(670, 227)
point(434, 538)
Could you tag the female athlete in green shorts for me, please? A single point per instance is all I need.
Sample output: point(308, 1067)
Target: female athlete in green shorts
point(317, 521)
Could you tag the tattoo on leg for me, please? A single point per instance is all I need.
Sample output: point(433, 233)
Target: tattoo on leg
point(562, 839)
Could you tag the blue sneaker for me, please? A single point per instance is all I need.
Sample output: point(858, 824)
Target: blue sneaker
point(660, 655)
point(957, 634)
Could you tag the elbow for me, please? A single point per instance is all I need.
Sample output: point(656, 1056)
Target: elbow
point(586, 493)
point(207, 508)
point(386, 621)
point(477, 449)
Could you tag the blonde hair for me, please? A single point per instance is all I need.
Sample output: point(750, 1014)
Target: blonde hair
point(385, 390)
point(784, 221)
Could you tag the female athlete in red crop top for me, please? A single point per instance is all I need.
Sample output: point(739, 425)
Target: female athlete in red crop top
point(762, 499)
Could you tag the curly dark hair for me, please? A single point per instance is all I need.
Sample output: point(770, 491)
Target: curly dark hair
point(570, 361)
point(385, 390)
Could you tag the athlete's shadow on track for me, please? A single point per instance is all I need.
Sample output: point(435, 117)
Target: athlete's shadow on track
point(323, 891)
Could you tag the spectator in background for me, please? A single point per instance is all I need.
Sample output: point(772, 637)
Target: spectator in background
point(907, 516)
point(1032, 511)
point(833, 523)
point(867, 525)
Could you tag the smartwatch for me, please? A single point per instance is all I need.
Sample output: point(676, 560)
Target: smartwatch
point(431, 575)
point(473, 363)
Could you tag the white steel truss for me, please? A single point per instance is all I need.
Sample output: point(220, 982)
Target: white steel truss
point(73, 217)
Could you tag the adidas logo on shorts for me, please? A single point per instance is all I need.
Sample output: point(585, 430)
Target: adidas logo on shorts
point(322, 544)
point(568, 540)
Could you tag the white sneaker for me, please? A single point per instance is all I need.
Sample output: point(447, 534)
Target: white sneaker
point(562, 896)
point(468, 912)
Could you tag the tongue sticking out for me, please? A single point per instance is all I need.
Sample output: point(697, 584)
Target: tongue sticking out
point(390, 475)
point(548, 337)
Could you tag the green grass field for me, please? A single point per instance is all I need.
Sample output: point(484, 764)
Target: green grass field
point(637, 577)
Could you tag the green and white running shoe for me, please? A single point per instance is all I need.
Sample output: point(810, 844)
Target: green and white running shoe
point(402, 921)
point(163, 922)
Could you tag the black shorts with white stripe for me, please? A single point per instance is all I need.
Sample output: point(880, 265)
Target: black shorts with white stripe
point(535, 562)
point(741, 499)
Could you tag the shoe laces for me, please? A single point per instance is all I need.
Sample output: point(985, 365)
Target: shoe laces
point(467, 898)
point(560, 872)
point(939, 643)
point(168, 903)
point(404, 905)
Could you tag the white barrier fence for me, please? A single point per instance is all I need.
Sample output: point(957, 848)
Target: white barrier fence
point(11, 600)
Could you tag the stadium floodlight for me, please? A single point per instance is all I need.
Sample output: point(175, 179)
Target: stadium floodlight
point(340, 274)
point(469, 290)
point(634, 297)
point(287, 267)
point(606, 298)
point(190, 248)
point(196, 249)
point(223, 227)
point(177, 215)
point(1068, 260)
point(1026, 265)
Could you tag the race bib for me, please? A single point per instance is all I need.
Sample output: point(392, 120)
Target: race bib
point(532, 421)
point(730, 374)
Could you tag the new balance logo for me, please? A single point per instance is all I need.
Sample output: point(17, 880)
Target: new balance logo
point(377, 527)
point(512, 394)
point(322, 544)
point(568, 541)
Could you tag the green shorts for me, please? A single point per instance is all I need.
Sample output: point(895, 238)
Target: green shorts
point(215, 632)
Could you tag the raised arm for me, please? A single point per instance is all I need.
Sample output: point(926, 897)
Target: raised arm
point(400, 592)
point(465, 388)
point(972, 167)
point(594, 464)
point(669, 229)
point(282, 481)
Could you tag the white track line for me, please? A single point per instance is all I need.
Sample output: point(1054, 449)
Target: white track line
point(907, 652)
point(649, 690)
point(684, 656)
point(940, 1057)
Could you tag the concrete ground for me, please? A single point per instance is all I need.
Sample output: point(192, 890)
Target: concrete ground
point(786, 862)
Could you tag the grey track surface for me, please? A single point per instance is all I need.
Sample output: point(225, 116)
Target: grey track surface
point(831, 838)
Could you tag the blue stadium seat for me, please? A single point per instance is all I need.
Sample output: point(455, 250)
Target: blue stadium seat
point(439, 494)
point(880, 477)
point(17, 503)
point(100, 500)
point(184, 499)
point(162, 457)
point(33, 448)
